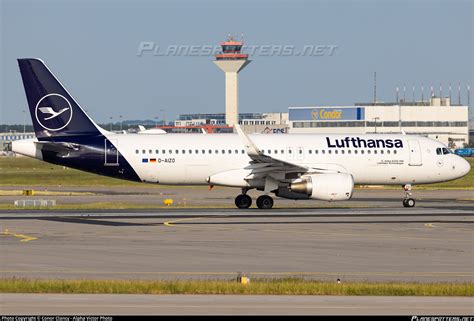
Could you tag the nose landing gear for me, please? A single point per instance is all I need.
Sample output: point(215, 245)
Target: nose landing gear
point(408, 201)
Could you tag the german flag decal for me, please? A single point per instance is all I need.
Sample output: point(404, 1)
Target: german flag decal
point(152, 160)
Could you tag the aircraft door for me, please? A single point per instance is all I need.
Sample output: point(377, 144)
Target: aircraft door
point(415, 153)
point(111, 155)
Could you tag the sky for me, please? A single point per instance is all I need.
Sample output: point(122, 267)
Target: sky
point(93, 48)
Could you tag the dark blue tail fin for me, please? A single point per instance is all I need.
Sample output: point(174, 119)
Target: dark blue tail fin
point(53, 111)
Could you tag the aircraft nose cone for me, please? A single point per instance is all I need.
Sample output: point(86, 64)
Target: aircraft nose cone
point(464, 166)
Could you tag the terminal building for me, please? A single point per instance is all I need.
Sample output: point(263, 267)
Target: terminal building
point(436, 118)
point(249, 122)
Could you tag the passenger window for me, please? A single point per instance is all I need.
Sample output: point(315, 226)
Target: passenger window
point(394, 151)
point(136, 152)
point(349, 151)
point(236, 151)
point(143, 151)
point(276, 151)
point(223, 151)
point(243, 151)
point(190, 151)
point(196, 151)
point(355, 151)
point(204, 151)
point(375, 151)
point(282, 151)
point(323, 151)
point(177, 151)
point(163, 151)
point(210, 151)
point(217, 151)
point(329, 151)
point(269, 151)
point(368, 152)
point(230, 151)
point(343, 151)
point(438, 151)
point(183, 151)
point(310, 151)
point(157, 151)
point(315, 151)
point(381, 152)
point(150, 151)
point(335, 152)
point(170, 151)
point(388, 151)
point(362, 151)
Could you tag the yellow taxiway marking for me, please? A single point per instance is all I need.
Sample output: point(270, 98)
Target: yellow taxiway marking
point(175, 223)
point(23, 237)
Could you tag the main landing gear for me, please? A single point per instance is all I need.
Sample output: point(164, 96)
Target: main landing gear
point(408, 201)
point(264, 202)
point(243, 201)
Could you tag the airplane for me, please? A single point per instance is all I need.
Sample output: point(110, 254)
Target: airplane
point(293, 166)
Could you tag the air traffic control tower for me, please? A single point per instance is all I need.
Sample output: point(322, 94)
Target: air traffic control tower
point(231, 61)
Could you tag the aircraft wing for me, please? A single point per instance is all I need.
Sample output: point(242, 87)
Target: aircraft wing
point(264, 165)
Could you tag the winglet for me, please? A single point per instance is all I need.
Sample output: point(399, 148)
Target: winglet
point(250, 147)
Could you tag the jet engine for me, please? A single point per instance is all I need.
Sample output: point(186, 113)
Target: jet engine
point(327, 187)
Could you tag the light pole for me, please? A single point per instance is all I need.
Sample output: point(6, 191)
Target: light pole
point(120, 122)
point(163, 116)
point(375, 124)
point(111, 122)
point(24, 121)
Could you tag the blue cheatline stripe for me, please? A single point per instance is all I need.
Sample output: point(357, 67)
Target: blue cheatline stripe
point(145, 160)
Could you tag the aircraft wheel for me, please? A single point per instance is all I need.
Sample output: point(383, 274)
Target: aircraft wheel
point(409, 202)
point(243, 201)
point(264, 202)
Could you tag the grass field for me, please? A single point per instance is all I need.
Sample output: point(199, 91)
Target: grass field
point(25, 171)
point(256, 287)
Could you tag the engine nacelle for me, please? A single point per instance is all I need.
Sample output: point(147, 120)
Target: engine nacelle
point(327, 187)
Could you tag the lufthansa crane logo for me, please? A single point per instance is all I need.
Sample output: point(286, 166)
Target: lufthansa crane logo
point(53, 112)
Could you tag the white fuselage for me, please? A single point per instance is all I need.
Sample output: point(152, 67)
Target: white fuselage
point(190, 159)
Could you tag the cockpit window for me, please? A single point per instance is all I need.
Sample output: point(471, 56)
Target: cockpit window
point(442, 151)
